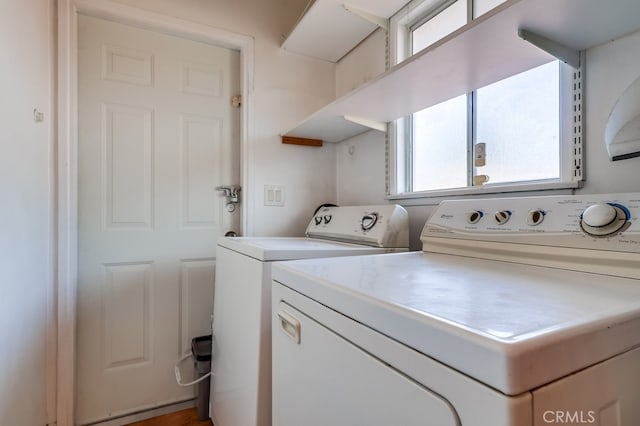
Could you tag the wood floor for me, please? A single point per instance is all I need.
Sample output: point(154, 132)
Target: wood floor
point(179, 418)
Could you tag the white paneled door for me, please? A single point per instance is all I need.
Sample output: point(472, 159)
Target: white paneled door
point(157, 134)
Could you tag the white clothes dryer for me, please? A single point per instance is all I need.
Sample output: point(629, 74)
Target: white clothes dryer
point(518, 312)
point(241, 355)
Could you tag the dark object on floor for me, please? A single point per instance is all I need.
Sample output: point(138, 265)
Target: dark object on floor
point(201, 350)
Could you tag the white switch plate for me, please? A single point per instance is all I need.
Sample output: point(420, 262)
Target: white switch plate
point(274, 195)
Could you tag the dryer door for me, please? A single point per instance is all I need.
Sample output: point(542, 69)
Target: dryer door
point(320, 379)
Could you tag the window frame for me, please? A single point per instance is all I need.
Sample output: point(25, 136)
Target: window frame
point(399, 139)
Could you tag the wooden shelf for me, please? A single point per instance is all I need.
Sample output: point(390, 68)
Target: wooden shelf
point(326, 30)
point(482, 52)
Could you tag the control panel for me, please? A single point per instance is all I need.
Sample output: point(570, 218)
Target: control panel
point(379, 226)
point(605, 221)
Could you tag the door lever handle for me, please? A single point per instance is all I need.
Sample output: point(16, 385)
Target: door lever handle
point(231, 192)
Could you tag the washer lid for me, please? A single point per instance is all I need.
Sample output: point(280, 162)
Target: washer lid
point(273, 249)
point(513, 327)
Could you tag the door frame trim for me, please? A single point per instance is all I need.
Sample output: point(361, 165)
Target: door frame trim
point(67, 156)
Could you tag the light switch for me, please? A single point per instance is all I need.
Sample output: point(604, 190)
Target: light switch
point(274, 195)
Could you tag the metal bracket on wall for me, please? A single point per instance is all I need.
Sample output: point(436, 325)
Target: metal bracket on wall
point(577, 124)
point(566, 54)
point(368, 16)
point(372, 124)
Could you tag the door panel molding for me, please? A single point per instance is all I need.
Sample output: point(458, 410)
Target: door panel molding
point(200, 147)
point(127, 168)
point(67, 153)
point(124, 65)
point(199, 79)
point(126, 313)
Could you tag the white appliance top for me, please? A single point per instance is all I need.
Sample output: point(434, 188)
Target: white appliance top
point(268, 249)
point(510, 306)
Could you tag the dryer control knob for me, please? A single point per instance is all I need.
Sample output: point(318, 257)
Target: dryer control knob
point(599, 215)
point(502, 217)
point(604, 219)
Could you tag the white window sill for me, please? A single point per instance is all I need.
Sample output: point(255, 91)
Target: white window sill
point(434, 197)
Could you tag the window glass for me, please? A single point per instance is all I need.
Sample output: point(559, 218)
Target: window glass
point(440, 146)
point(439, 26)
point(518, 120)
point(480, 7)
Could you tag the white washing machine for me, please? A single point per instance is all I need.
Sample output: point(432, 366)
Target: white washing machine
point(518, 312)
point(241, 356)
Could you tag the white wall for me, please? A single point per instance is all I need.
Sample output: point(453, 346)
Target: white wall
point(357, 163)
point(288, 87)
point(610, 68)
point(26, 214)
point(360, 161)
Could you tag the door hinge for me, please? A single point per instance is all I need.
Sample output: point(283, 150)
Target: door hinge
point(236, 101)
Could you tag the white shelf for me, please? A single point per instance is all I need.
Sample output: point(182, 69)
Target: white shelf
point(482, 52)
point(328, 31)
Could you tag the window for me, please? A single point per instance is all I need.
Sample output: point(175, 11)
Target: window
point(519, 120)
point(439, 146)
point(508, 135)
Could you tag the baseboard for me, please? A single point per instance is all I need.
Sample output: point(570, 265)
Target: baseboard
point(147, 414)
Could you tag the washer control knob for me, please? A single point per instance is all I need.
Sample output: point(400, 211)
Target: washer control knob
point(368, 221)
point(327, 218)
point(474, 216)
point(535, 217)
point(502, 217)
point(604, 219)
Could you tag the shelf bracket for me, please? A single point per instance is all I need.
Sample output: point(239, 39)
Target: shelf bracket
point(374, 19)
point(566, 54)
point(372, 124)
